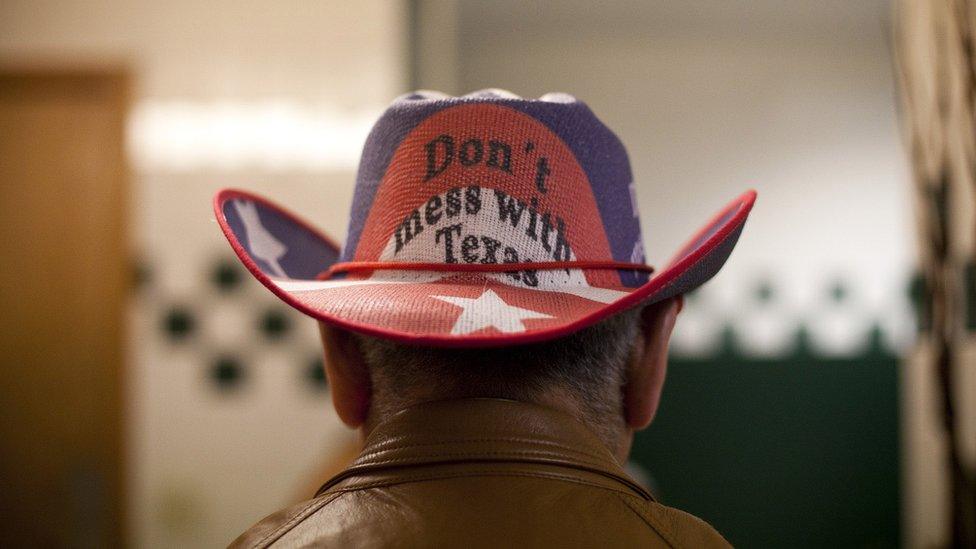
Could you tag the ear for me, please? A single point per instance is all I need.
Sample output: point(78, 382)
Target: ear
point(649, 362)
point(348, 375)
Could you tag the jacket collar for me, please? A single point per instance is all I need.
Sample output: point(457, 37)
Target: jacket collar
point(484, 430)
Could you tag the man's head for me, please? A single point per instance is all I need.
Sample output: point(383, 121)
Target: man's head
point(609, 375)
point(487, 221)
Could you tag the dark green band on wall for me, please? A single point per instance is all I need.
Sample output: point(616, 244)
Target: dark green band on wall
point(799, 451)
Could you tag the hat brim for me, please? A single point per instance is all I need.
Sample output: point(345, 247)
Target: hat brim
point(448, 309)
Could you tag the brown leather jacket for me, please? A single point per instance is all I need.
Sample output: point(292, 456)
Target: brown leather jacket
point(482, 473)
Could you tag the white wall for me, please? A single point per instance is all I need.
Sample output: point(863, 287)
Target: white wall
point(347, 53)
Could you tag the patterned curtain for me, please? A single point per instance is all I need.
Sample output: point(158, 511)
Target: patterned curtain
point(935, 44)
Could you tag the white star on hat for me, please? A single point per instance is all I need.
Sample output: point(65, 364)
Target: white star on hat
point(488, 310)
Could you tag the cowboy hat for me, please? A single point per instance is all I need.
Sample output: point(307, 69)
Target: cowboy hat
point(480, 220)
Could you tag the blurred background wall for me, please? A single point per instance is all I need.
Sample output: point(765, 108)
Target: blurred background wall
point(225, 419)
point(787, 420)
point(795, 99)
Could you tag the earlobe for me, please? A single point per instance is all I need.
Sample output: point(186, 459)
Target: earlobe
point(648, 363)
point(347, 374)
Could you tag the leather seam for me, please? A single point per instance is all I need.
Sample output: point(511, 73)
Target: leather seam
point(514, 453)
point(647, 521)
point(307, 511)
point(476, 473)
point(482, 440)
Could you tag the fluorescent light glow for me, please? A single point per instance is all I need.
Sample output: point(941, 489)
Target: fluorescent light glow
point(273, 135)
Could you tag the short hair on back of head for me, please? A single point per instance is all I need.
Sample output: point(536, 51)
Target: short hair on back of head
point(588, 365)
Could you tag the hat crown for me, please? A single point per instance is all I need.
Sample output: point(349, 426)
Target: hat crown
point(491, 177)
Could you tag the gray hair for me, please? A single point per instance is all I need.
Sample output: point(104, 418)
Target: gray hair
point(588, 366)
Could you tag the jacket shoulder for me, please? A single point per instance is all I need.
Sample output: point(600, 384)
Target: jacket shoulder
point(275, 525)
point(424, 514)
point(678, 528)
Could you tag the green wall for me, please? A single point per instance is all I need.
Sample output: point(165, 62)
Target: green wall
point(800, 451)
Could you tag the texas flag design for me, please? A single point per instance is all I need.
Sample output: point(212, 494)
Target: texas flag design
point(481, 182)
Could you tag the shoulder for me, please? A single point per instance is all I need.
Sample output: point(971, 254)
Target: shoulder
point(678, 528)
point(441, 512)
point(275, 525)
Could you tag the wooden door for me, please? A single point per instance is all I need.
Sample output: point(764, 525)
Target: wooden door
point(63, 281)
